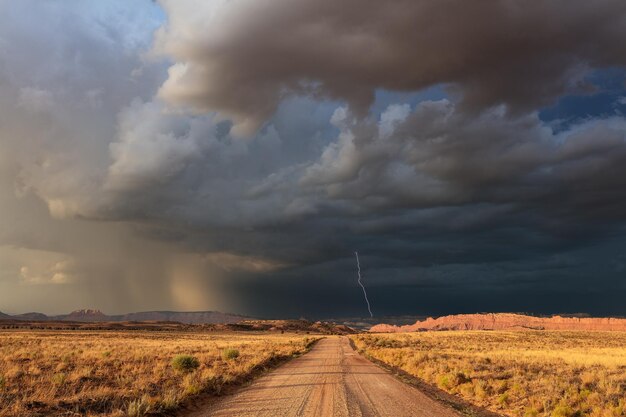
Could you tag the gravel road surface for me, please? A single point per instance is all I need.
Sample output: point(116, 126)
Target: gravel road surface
point(332, 380)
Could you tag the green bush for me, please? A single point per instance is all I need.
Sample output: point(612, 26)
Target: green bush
point(230, 354)
point(443, 381)
point(185, 363)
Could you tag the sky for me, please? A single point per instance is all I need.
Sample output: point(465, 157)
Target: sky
point(233, 155)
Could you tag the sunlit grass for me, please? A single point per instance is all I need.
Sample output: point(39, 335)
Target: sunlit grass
point(124, 373)
point(521, 374)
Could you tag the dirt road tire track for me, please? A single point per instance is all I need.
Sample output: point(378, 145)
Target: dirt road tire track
point(332, 380)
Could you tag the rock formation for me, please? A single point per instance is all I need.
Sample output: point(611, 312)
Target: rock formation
point(506, 321)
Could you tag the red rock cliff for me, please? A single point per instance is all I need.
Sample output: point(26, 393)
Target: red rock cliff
point(506, 321)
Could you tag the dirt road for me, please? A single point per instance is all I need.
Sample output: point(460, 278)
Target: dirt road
point(330, 381)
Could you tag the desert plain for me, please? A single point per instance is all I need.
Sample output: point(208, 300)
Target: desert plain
point(299, 368)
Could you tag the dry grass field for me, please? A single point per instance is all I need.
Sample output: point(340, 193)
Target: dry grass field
point(525, 373)
point(104, 373)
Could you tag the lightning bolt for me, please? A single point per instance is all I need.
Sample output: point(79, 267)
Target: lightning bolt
point(358, 265)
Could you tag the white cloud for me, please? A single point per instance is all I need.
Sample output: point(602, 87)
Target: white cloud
point(391, 117)
point(153, 147)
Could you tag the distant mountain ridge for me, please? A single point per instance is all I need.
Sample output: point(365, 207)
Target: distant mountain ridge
point(506, 321)
point(30, 316)
point(94, 316)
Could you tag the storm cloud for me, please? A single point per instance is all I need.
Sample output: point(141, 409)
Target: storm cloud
point(232, 155)
point(241, 58)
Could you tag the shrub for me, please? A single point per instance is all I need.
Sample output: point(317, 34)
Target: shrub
point(185, 363)
point(444, 382)
point(230, 354)
point(2, 381)
point(467, 389)
point(137, 408)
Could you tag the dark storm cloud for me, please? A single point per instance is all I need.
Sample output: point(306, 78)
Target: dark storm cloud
point(175, 168)
point(438, 197)
point(241, 58)
point(472, 196)
point(432, 173)
point(439, 155)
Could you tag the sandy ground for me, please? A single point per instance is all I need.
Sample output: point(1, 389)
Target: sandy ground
point(332, 380)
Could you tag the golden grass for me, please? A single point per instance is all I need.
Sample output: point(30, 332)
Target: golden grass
point(105, 373)
point(521, 374)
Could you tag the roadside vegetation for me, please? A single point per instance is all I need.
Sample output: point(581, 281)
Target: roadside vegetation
point(104, 373)
point(520, 374)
